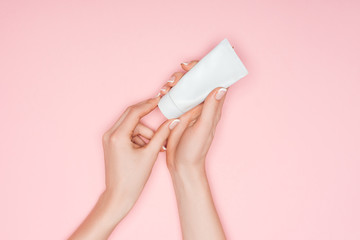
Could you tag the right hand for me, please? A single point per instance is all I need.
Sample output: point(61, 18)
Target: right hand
point(128, 159)
point(190, 141)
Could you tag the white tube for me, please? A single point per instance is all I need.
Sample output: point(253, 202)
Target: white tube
point(221, 67)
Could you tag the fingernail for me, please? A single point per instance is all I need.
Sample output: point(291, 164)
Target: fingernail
point(172, 79)
point(163, 89)
point(221, 92)
point(164, 148)
point(185, 63)
point(174, 123)
point(157, 95)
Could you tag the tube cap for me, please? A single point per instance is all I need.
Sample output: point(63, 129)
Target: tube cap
point(168, 107)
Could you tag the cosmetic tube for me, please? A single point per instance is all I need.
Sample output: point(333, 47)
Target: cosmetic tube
point(221, 67)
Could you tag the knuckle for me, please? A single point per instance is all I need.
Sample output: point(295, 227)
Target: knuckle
point(127, 110)
point(114, 138)
point(132, 110)
point(192, 122)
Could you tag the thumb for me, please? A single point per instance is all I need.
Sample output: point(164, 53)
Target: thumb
point(161, 134)
point(212, 107)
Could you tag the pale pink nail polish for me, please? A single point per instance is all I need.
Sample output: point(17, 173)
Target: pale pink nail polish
point(174, 123)
point(221, 92)
point(172, 79)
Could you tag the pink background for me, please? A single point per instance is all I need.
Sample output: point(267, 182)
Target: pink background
point(286, 157)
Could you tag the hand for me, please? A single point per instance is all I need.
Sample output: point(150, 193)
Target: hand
point(128, 158)
point(128, 163)
point(189, 143)
point(187, 147)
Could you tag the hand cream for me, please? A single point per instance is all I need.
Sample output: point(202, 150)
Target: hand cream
point(221, 67)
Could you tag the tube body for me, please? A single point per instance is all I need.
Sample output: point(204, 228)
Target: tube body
point(221, 67)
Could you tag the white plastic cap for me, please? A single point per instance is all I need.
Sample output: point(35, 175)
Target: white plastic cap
point(168, 107)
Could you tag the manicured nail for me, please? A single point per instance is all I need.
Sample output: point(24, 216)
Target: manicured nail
point(172, 79)
point(185, 63)
point(163, 89)
point(221, 92)
point(164, 148)
point(174, 123)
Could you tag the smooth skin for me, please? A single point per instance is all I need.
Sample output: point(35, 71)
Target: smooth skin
point(130, 151)
point(128, 164)
point(187, 147)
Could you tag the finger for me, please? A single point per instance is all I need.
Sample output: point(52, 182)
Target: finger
point(189, 65)
point(194, 120)
point(212, 106)
point(143, 130)
point(171, 83)
point(163, 148)
point(157, 142)
point(123, 115)
point(137, 140)
point(118, 122)
point(220, 107)
point(164, 90)
point(175, 78)
point(196, 112)
point(185, 121)
point(133, 115)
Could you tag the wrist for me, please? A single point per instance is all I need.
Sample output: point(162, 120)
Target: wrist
point(189, 175)
point(181, 167)
point(116, 205)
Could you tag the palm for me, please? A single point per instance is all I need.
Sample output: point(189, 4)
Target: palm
point(190, 142)
point(192, 146)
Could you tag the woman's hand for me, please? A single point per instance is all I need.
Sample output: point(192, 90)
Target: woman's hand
point(128, 158)
point(187, 147)
point(189, 143)
point(128, 163)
